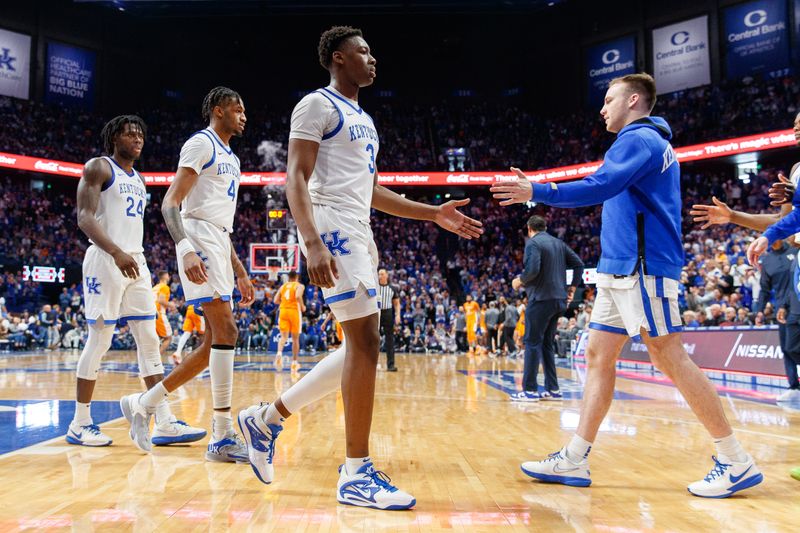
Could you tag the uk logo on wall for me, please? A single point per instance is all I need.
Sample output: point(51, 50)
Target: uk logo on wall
point(15, 64)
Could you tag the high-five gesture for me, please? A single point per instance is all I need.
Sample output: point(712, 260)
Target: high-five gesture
point(451, 219)
point(711, 215)
point(513, 192)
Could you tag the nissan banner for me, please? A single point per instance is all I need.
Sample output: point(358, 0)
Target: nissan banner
point(15, 64)
point(756, 38)
point(681, 55)
point(607, 61)
point(750, 350)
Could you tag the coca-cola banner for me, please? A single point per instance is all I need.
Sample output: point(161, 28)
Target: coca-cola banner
point(752, 350)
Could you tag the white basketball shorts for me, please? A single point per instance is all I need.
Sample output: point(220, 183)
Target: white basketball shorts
point(350, 241)
point(624, 305)
point(109, 296)
point(213, 245)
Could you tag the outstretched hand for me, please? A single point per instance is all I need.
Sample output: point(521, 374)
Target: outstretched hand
point(719, 213)
point(451, 219)
point(518, 191)
point(782, 191)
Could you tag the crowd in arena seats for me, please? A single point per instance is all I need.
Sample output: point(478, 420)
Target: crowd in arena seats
point(433, 270)
point(497, 132)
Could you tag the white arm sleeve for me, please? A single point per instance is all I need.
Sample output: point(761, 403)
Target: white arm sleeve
point(313, 117)
point(196, 153)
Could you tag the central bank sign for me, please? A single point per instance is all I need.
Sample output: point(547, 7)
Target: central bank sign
point(607, 61)
point(681, 55)
point(756, 38)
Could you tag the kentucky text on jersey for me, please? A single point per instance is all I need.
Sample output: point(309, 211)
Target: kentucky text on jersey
point(130, 188)
point(360, 131)
point(227, 168)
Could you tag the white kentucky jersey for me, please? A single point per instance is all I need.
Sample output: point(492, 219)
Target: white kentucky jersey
point(120, 211)
point(213, 197)
point(344, 173)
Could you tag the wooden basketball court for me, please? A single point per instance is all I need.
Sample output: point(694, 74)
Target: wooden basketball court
point(443, 428)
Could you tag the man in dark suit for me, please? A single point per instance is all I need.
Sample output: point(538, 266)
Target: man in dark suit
point(544, 278)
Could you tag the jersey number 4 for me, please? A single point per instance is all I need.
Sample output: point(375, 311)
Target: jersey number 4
point(139, 207)
point(232, 190)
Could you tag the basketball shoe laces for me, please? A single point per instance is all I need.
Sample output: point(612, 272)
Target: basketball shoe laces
point(94, 429)
point(382, 479)
point(718, 470)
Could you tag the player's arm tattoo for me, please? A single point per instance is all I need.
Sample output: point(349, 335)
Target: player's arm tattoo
point(172, 217)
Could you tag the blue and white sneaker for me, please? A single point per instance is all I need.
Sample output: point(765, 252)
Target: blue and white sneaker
point(727, 478)
point(371, 488)
point(176, 432)
point(525, 396)
point(88, 435)
point(557, 468)
point(260, 438)
point(231, 449)
point(139, 419)
point(548, 396)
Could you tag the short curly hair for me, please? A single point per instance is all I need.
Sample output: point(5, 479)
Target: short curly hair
point(330, 40)
point(115, 126)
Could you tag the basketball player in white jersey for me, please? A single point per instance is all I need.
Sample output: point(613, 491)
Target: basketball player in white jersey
point(331, 186)
point(206, 186)
point(116, 281)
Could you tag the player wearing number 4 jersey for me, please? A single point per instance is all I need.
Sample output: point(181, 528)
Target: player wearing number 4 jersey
point(331, 186)
point(116, 282)
point(206, 186)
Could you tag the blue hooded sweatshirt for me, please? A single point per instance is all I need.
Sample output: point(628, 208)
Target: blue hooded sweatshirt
point(639, 187)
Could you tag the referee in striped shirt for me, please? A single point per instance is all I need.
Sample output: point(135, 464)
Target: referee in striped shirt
point(390, 315)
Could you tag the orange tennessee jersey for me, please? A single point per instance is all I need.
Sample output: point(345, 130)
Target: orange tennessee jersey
point(471, 310)
point(161, 289)
point(289, 295)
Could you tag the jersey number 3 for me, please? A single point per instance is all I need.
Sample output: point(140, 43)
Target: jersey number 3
point(371, 165)
point(131, 204)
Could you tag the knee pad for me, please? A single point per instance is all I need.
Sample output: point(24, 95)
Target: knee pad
point(147, 352)
point(97, 345)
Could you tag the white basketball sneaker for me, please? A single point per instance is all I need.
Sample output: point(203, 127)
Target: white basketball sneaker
point(557, 468)
point(260, 438)
point(727, 478)
point(371, 488)
point(139, 419)
point(176, 432)
point(88, 435)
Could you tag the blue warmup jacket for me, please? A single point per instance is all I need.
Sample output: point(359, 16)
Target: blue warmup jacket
point(639, 187)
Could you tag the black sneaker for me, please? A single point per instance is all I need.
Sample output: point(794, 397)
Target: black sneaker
point(392, 369)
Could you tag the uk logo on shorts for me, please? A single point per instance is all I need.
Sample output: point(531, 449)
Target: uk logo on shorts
point(335, 243)
point(92, 286)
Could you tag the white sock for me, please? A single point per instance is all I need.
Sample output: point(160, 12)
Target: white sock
point(324, 378)
point(223, 424)
point(220, 366)
point(163, 413)
point(182, 342)
point(730, 449)
point(352, 465)
point(153, 397)
point(272, 416)
point(578, 449)
point(83, 415)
